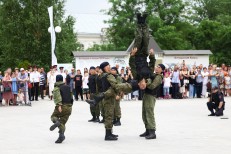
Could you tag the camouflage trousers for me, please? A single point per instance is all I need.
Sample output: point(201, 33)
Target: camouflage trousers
point(117, 110)
point(95, 110)
point(142, 40)
point(148, 105)
point(62, 117)
point(109, 105)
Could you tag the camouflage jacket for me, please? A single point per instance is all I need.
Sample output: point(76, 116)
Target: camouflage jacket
point(57, 94)
point(152, 84)
point(133, 65)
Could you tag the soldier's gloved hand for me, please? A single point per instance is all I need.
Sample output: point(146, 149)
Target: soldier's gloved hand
point(60, 108)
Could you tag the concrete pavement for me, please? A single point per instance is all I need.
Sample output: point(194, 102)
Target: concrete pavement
point(182, 127)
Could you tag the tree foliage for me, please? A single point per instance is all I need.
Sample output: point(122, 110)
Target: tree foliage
point(24, 35)
point(175, 25)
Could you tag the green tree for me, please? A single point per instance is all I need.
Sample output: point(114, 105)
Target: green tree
point(164, 15)
point(24, 35)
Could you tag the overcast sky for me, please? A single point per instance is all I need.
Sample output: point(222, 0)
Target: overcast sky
point(85, 6)
point(87, 13)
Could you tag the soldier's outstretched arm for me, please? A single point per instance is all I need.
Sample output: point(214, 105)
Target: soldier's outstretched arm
point(152, 60)
point(57, 96)
point(155, 83)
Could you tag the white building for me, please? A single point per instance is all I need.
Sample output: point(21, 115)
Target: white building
point(168, 57)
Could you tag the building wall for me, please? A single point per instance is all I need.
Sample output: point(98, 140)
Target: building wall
point(82, 62)
point(189, 59)
point(88, 40)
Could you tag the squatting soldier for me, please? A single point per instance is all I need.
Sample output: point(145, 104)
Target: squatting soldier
point(117, 111)
point(216, 102)
point(95, 111)
point(63, 106)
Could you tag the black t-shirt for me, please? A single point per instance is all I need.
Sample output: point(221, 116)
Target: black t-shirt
point(191, 80)
point(78, 80)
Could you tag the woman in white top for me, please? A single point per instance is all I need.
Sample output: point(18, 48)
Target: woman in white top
point(85, 85)
point(51, 81)
point(205, 75)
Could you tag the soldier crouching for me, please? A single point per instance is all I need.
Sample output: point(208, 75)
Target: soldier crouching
point(216, 104)
point(63, 106)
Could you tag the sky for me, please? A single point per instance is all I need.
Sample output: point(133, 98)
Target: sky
point(87, 13)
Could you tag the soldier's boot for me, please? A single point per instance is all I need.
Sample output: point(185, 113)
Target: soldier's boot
point(55, 125)
point(109, 137)
point(114, 121)
point(117, 123)
point(102, 121)
point(146, 133)
point(61, 138)
point(152, 134)
point(97, 119)
point(114, 134)
point(92, 120)
point(96, 100)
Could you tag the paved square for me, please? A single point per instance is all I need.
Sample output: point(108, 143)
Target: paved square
point(182, 127)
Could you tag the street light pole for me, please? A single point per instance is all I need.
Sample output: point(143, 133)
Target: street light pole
point(52, 31)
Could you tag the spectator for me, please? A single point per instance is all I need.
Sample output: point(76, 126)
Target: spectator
point(45, 83)
point(192, 82)
point(42, 80)
point(213, 76)
point(175, 82)
point(34, 79)
point(51, 83)
point(61, 68)
point(205, 75)
point(23, 84)
point(85, 86)
point(167, 83)
point(185, 75)
point(78, 85)
point(21, 96)
point(14, 88)
point(72, 77)
point(199, 83)
point(7, 94)
point(227, 83)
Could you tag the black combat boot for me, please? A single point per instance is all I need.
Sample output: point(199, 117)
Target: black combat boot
point(96, 100)
point(146, 133)
point(114, 134)
point(55, 125)
point(61, 138)
point(152, 134)
point(102, 121)
point(109, 137)
point(97, 119)
point(93, 119)
point(117, 122)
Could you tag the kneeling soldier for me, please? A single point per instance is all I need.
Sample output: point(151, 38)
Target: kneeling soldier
point(216, 102)
point(63, 101)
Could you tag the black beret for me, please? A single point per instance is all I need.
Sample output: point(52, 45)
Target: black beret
point(92, 68)
point(162, 67)
point(114, 68)
point(104, 64)
point(59, 78)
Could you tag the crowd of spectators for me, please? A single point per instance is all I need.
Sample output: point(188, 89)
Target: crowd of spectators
point(181, 81)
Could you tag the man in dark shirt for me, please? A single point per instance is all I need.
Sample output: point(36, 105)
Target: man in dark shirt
point(78, 85)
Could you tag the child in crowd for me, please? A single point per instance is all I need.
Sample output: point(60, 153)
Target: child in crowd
point(20, 96)
point(167, 83)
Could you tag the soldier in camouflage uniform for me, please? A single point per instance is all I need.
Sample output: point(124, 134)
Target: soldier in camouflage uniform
point(63, 106)
point(99, 90)
point(95, 111)
point(108, 81)
point(117, 111)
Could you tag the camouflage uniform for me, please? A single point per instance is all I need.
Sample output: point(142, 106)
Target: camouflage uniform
point(63, 116)
point(117, 111)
